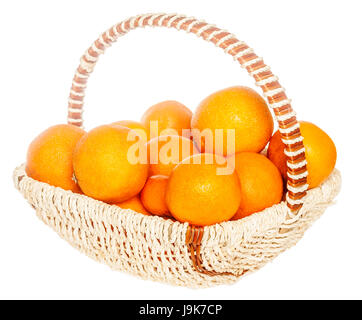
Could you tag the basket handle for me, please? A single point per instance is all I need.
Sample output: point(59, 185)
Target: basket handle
point(265, 79)
point(272, 90)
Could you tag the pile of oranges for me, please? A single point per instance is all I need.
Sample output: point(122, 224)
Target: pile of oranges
point(203, 168)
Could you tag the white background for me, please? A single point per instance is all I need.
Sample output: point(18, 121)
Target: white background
point(313, 46)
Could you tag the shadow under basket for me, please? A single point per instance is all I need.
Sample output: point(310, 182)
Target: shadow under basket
point(159, 249)
point(162, 249)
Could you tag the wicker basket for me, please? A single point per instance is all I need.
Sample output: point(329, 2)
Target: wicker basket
point(177, 253)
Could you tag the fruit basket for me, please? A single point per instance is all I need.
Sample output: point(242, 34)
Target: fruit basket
point(170, 251)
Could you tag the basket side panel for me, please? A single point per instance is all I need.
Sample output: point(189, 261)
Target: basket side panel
point(254, 248)
point(149, 247)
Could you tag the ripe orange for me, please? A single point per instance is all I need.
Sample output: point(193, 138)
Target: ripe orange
point(104, 167)
point(136, 126)
point(197, 194)
point(238, 108)
point(49, 157)
point(320, 153)
point(165, 152)
point(261, 183)
point(153, 195)
point(171, 117)
point(134, 204)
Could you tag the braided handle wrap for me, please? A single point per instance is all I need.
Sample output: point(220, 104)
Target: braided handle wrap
point(265, 79)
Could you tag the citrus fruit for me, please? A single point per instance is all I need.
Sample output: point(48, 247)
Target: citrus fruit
point(49, 157)
point(165, 152)
point(170, 116)
point(320, 153)
point(136, 126)
point(104, 167)
point(153, 195)
point(134, 204)
point(261, 183)
point(239, 109)
point(198, 194)
point(276, 154)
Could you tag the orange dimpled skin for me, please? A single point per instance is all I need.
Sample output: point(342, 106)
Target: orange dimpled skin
point(197, 194)
point(104, 167)
point(153, 195)
point(261, 183)
point(134, 204)
point(165, 152)
point(239, 108)
point(320, 153)
point(171, 117)
point(136, 126)
point(49, 157)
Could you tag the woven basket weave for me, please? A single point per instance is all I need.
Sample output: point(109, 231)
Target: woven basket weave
point(177, 253)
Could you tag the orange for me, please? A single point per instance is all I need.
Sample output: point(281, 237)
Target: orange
point(171, 117)
point(134, 204)
point(197, 193)
point(104, 166)
point(237, 108)
point(261, 183)
point(276, 154)
point(320, 153)
point(49, 157)
point(136, 126)
point(153, 195)
point(165, 152)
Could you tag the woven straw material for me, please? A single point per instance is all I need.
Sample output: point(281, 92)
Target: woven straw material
point(155, 248)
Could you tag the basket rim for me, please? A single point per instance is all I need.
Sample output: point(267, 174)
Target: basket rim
point(232, 231)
